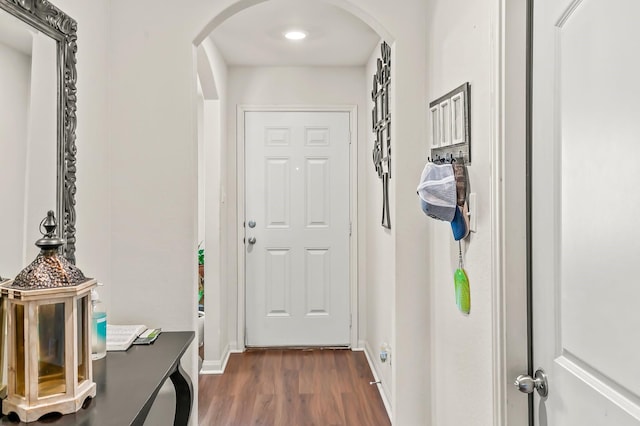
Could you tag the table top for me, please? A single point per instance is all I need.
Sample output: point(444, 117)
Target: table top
point(126, 381)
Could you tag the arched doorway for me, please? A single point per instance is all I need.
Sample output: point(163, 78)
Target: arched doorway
point(226, 322)
point(218, 21)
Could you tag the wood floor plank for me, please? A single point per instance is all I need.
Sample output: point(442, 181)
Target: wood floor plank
point(279, 387)
point(242, 411)
point(328, 408)
point(264, 410)
point(292, 359)
point(217, 412)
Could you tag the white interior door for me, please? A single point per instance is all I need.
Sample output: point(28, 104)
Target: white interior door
point(586, 242)
point(297, 228)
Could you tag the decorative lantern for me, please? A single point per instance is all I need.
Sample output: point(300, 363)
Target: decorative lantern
point(48, 338)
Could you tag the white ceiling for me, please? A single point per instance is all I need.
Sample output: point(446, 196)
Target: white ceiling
point(254, 37)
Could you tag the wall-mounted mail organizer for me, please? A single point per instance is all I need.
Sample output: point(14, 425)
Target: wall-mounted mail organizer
point(451, 125)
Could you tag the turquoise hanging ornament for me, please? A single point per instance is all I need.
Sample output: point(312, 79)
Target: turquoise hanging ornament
point(461, 281)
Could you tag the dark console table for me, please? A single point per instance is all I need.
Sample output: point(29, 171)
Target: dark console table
point(128, 383)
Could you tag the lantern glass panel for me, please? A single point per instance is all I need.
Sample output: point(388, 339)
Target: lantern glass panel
point(83, 331)
point(51, 353)
point(19, 349)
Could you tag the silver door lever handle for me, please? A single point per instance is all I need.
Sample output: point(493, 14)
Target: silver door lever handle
point(252, 240)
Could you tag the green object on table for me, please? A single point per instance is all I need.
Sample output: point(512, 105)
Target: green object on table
point(463, 294)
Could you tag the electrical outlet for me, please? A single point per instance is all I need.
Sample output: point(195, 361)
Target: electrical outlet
point(473, 212)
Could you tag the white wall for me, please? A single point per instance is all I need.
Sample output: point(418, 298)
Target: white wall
point(411, 303)
point(152, 100)
point(201, 166)
point(460, 50)
point(93, 198)
point(214, 75)
point(130, 247)
point(379, 280)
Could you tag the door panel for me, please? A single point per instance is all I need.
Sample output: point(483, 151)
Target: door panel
point(318, 281)
point(585, 136)
point(277, 283)
point(317, 193)
point(297, 192)
point(277, 192)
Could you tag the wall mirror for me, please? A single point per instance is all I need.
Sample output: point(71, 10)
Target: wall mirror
point(37, 128)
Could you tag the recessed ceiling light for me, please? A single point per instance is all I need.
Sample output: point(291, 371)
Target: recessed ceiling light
point(295, 35)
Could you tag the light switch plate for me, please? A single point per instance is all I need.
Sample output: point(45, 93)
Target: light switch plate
point(473, 212)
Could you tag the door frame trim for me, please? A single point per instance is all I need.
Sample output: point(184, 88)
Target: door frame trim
point(353, 206)
point(510, 87)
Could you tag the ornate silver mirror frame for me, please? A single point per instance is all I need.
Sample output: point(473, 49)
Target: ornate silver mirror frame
point(51, 21)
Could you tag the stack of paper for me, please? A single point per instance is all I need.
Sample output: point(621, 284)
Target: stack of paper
point(120, 337)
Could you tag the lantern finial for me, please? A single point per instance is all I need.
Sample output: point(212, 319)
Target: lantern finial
point(49, 240)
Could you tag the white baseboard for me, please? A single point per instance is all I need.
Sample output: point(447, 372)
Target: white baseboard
point(382, 387)
point(218, 366)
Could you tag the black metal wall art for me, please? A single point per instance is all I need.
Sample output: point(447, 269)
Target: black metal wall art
point(381, 119)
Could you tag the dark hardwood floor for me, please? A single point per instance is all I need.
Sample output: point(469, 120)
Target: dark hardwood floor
point(292, 388)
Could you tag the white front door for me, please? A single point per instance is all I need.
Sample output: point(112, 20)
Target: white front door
point(297, 228)
point(586, 194)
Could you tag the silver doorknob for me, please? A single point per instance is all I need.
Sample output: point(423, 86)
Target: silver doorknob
point(528, 384)
point(252, 240)
point(252, 224)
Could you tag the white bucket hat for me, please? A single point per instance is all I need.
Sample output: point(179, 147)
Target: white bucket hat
point(437, 191)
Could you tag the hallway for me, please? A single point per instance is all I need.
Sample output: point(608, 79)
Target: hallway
point(292, 387)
